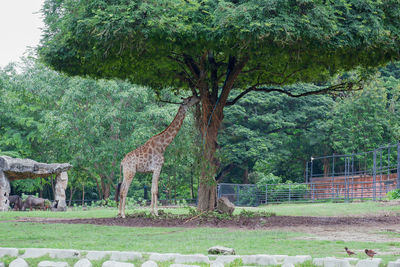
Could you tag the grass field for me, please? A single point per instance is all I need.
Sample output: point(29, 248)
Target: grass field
point(194, 240)
point(307, 209)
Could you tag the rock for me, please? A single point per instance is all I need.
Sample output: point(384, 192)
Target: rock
point(15, 169)
point(83, 263)
point(216, 264)
point(35, 252)
point(97, 255)
point(2, 264)
point(331, 262)
point(221, 250)
point(226, 259)
point(53, 253)
point(117, 264)
point(296, 259)
point(163, 257)
point(12, 252)
point(287, 265)
point(18, 263)
point(198, 258)
point(369, 263)
point(394, 263)
point(59, 195)
point(183, 265)
point(125, 256)
point(259, 260)
point(150, 264)
point(280, 258)
point(5, 190)
point(53, 264)
point(64, 253)
point(224, 206)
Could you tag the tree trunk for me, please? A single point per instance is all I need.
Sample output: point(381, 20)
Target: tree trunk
point(246, 174)
point(71, 194)
point(207, 196)
point(83, 195)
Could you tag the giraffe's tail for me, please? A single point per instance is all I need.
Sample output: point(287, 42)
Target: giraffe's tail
point(118, 187)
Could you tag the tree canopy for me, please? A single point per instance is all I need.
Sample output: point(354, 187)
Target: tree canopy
point(154, 42)
point(212, 47)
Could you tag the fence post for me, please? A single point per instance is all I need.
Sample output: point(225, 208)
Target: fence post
point(374, 177)
point(219, 190)
point(289, 192)
point(237, 195)
point(398, 166)
point(306, 180)
point(266, 194)
point(333, 177)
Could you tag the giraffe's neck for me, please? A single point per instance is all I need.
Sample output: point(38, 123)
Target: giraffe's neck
point(165, 138)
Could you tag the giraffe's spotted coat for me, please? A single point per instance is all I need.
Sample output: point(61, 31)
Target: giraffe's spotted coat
point(150, 157)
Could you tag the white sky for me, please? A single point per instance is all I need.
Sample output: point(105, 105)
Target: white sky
point(20, 23)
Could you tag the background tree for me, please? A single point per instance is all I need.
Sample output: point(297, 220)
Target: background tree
point(212, 47)
point(90, 123)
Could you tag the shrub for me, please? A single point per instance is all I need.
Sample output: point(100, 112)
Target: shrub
point(394, 194)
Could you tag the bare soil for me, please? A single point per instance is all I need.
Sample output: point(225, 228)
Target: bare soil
point(371, 228)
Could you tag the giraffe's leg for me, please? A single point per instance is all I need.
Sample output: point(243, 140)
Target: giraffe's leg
point(154, 191)
point(128, 177)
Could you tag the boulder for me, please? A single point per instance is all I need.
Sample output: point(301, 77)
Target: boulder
point(197, 258)
point(369, 262)
point(226, 259)
point(220, 250)
point(117, 264)
point(125, 256)
point(12, 252)
point(224, 206)
point(97, 255)
point(149, 264)
point(18, 263)
point(83, 263)
point(394, 263)
point(53, 264)
point(259, 260)
point(163, 256)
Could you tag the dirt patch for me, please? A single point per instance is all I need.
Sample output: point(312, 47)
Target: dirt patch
point(366, 228)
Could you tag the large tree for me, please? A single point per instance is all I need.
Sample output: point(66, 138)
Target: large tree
point(212, 47)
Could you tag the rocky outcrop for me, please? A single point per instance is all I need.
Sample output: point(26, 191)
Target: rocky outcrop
point(15, 169)
point(224, 206)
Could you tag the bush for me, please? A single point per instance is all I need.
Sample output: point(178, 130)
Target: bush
point(394, 194)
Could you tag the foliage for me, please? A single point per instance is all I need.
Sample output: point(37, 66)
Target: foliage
point(92, 124)
point(193, 45)
point(142, 40)
point(394, 194)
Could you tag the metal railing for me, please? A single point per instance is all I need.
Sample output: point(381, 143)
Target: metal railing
point(366, 175)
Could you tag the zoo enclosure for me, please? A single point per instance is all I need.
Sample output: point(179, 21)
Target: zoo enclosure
point(365, 175)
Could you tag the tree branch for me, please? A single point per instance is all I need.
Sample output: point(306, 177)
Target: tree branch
point(341, 87)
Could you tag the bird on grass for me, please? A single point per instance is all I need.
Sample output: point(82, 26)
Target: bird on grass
point(349, 252)
point(370, 253)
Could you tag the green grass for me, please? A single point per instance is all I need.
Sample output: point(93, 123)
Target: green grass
point(191, 240)
point(182, 240)
point(332, 209)
point(307, 209)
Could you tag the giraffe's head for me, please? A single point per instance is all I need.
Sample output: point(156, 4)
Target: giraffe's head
point(190, 101)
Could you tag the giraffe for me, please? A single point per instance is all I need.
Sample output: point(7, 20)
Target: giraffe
point(150, 157)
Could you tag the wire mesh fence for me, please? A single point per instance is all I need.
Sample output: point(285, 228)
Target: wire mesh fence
point(367, 175)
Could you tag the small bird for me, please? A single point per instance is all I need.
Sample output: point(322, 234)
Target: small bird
point(370, 253)
point(349, 252)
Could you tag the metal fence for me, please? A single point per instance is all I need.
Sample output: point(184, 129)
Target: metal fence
point(367, 175)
